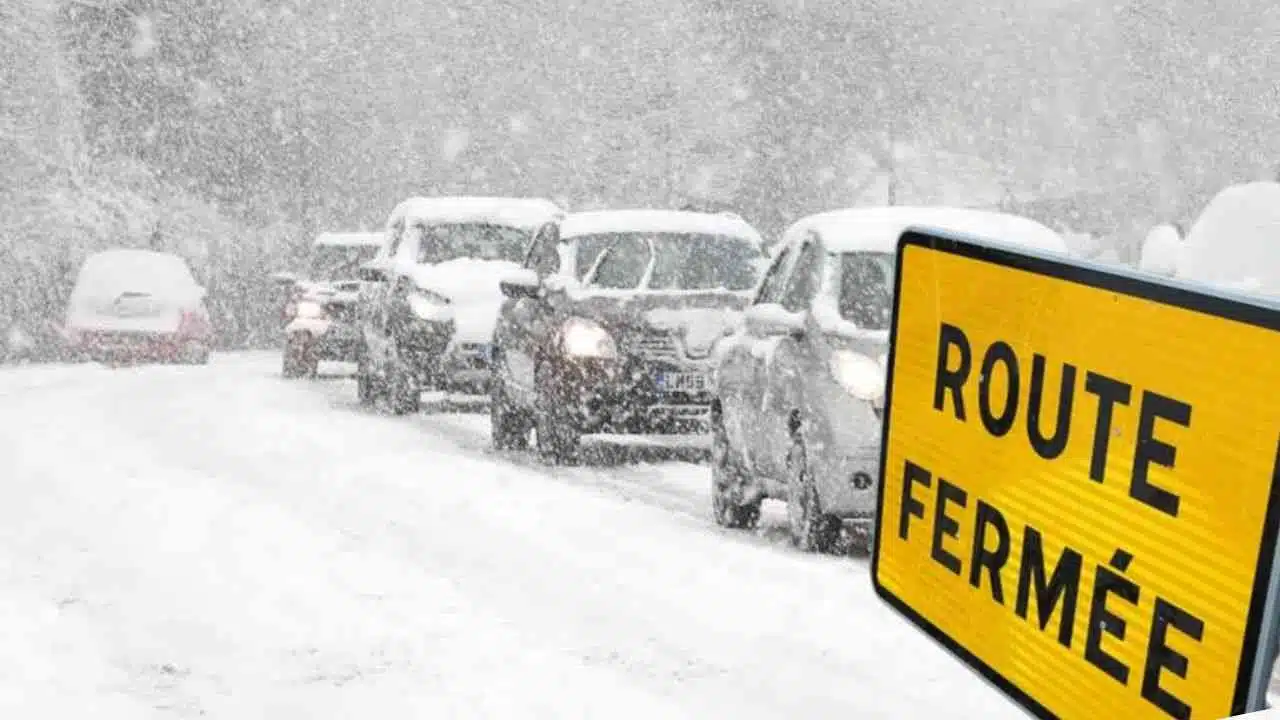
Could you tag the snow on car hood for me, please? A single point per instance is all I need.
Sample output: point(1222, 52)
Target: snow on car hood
point(698, 327)
point(473, 287)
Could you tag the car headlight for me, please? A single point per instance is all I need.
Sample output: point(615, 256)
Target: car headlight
point(309, 310)
point(430, 306)
point(585, 338)
point(859, 375)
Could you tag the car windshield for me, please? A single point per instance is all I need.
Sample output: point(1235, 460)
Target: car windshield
point(866, 289)
point(678, 261)
point(588, 248)
point(339, 262)
point(444, 242)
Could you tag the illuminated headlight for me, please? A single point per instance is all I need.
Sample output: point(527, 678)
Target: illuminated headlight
point(859, 375)
point(585, 338)
point(430, 306)
point(308, 310)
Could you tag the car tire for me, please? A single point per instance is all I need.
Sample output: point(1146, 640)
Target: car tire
point(509, 425)
point(366, 385)
point(727, 481)
point(403, 394)
point(811, 529)
point(557, 436)
point(294, 362)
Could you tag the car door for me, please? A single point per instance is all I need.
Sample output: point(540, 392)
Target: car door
point(780, 365)
point(522, 321)
point(737, 383)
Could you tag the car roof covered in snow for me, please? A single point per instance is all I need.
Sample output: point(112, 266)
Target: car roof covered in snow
point(1235, 243)
point(877, 229)
point(596, 222)
point(362, 239)
point(524, 213)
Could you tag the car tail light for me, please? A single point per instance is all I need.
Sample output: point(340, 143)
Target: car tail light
point(192, 324)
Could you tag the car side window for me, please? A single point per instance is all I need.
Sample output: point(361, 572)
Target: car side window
point(803, 281)
point(771, 286)
point(623, 265)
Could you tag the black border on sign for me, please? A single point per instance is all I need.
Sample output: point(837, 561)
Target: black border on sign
point(1152, 289)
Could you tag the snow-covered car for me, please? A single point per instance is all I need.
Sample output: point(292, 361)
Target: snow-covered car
point(130, 305)
point(799, 387)
point(430, 297)
point(610, 325)
point(320, 316)
point(1235, 242)
point(1160, 250)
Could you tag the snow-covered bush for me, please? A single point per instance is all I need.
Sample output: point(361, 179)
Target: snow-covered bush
point(1160, 250)
point(1235, 243)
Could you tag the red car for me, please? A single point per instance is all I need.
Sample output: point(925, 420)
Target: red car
point(138, 305)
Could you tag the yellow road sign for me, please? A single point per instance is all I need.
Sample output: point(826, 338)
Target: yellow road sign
point(1078, 481)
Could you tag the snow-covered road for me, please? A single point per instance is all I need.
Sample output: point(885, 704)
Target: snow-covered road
point(218, 542)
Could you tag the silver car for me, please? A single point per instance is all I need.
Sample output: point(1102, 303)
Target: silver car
point(798, 389)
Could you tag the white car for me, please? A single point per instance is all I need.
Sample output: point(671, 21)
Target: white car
point(131, 305)
point(798, 391)
point(430, 297)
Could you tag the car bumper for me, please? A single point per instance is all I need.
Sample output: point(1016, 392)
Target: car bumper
point(627, 398)
point(465, 367)
point(134, 346)
point(850, 475)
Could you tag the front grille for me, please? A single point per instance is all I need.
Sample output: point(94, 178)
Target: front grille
point(653, 345)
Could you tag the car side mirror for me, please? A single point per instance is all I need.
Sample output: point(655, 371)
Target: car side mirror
point(284, 278)
point(771, 319)
point(522, 284)
point(371, 273)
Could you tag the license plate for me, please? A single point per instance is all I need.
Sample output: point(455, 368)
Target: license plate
point(683, 382)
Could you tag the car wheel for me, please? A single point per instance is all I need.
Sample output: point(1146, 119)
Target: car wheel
point(509, 425)
point(557, 437)
point(293, 364)
point(199, 355)
point(727, 482)
point(366, 384)
point(403, 394)
point(811, 529)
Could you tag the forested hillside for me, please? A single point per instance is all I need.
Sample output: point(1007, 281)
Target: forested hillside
point(233, 130)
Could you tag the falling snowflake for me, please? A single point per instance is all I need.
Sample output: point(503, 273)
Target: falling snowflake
point(144, 37)
point(518, 124)
point(455, 142)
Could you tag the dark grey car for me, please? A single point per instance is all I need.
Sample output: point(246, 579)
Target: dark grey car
point(610, 325)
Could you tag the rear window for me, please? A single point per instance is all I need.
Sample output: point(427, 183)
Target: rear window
point(866, 289)
point(107, 275)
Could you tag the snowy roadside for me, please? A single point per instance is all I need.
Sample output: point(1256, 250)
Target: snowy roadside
point(237, 547)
